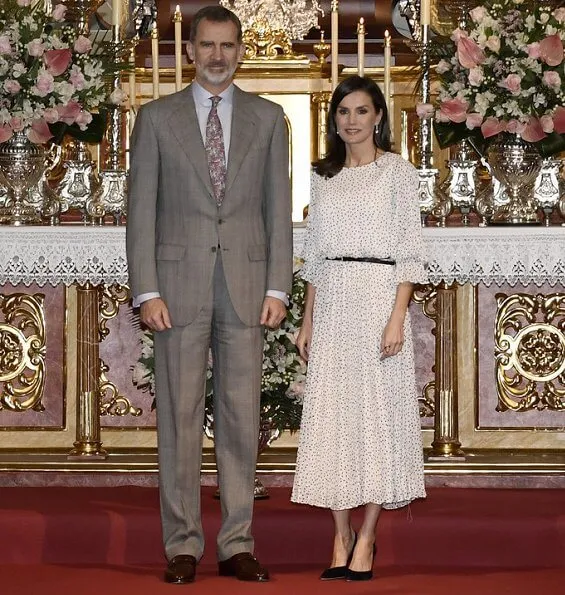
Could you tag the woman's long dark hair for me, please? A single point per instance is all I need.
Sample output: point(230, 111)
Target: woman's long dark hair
point(334, 161)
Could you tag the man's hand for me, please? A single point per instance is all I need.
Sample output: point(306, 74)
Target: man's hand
point(155, 314)
point(273, 312)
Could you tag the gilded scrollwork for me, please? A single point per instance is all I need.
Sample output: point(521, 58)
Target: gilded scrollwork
point(22, 352)
point(112, 403)
point(530, 352)
point(425, 295)
point(263, 43)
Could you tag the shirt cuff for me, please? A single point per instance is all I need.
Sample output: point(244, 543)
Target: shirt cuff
point(144, 297)
point(280, 295)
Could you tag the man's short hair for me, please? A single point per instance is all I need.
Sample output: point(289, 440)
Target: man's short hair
point(216, 14)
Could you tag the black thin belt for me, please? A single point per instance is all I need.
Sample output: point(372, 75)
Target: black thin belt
point(388, 261)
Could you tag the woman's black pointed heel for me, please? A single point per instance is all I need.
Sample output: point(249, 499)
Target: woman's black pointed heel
point(339, 572)
point(361, 575)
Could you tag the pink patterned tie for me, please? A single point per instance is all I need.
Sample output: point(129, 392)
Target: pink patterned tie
point(215, 151)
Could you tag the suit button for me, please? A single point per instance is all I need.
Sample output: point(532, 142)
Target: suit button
point(220, 221)
point(214, 249)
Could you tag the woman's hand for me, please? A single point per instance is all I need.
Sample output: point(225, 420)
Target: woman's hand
point(393, 337)
point(303, 341)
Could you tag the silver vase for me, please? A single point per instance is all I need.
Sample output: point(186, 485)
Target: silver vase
point(516, 164)
point(22, 164)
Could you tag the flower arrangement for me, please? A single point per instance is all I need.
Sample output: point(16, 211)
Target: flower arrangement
point(284, 371)
point(51, 79)
point(504, 74)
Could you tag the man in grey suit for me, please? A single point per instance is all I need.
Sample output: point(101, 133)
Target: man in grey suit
point(209, 244)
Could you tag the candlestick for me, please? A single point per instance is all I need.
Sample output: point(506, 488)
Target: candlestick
point(132, 89)
point(178, 48)
point(425, 12)
point(116, 12)
point(335, 42)
point(361, 47)
point(387, 57)
point(155, 61)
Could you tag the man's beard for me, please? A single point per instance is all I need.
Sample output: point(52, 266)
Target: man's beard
point(218, 78)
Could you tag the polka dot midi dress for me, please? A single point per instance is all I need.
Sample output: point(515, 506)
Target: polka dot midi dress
point(360, 439)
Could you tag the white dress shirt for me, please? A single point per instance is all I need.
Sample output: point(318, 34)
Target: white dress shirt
point(203, 105)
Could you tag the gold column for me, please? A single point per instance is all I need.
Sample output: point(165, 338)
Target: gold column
point(321, 102)
point(88, 443)
point(446, 443)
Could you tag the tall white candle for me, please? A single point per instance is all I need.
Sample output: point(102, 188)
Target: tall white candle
point(132, 88)
point(155, 61)
point(178, 48)
point(116, 12)
point(387, 56)
point(361, 47)
point(335, 42)
point(425, 12)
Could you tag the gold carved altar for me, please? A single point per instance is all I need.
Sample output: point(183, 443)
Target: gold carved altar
point(489, 329)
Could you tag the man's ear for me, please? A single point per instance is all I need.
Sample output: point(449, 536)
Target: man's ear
point(241, 52)
point(190, 50)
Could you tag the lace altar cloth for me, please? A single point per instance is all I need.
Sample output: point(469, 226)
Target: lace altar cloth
point(77, 254)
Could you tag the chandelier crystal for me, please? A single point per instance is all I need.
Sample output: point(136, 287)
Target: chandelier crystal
point(294, 17)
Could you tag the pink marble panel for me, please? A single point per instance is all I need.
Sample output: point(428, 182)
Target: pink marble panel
point(424, 351)
point(120, 350)
point(489, 417)
point(53, 400)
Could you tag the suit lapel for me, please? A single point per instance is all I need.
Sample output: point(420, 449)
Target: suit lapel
point(184, 126)
point(242, 134)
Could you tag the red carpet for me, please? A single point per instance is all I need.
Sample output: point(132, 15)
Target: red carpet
point(107, 541)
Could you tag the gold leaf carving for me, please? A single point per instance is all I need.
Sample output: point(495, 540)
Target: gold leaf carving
point(22, 351)
point(530, 352)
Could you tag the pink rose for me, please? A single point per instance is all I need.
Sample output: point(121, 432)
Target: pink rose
point(469, 53)
point(552, 79)
point(12, 86)
point(16, 124)
point(68, 113)
point(512, 82)
point(493, 43)
point(118, 96)
point(83, 120)
point(424, 110)
point(44, 84)
point(533, 132)
point(491, 127)
point(559, 120)
point(478, 14)
point(534, 50)
point(476, 76)
point(5, 133)
point(559, 15)
point(474, 120)
point(454, 110)
point(51, 115)
point(59, 12)
point(39, 132)
point(547, 124)
point(23, 2)
point(551, 50)
point(57, 61)
point(515, 127)
point(35, 48)
point(458, 34)
point(77, 79)
point(5, 47)
point(82, 45)
point(443, 66)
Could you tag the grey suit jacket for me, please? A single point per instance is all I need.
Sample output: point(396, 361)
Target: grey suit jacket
point(174, 226)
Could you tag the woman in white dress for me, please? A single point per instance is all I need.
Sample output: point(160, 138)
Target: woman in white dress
point(360, 441)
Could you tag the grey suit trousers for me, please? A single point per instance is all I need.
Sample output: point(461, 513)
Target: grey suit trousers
point(181, 356)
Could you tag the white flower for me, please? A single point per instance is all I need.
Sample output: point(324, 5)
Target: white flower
point(118, 96)
point(443, 66)
point(18, 69)
point(544, 17)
